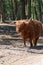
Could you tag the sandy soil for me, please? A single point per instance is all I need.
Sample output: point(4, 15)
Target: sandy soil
point(13, 52)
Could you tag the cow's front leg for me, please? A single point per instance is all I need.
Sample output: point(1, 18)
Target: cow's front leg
point(24, 43)
point(31, 42)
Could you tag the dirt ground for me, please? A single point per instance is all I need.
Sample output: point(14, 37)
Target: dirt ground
point(13, 52)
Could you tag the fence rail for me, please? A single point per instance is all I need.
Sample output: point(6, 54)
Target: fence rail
point(8, 29)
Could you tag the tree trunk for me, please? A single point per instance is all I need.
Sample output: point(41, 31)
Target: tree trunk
point(35, 12)
point(29, 8)
point(40, 12)
point(14, 2)
point(22, 9)
point(2, 10)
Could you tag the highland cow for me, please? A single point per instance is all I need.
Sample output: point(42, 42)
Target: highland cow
point(29, 29)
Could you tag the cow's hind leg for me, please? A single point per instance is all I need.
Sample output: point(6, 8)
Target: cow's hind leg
point(35, 43)
point(24, 43)
point(31, 44)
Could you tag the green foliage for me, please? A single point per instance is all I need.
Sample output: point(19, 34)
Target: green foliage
point(9, 9)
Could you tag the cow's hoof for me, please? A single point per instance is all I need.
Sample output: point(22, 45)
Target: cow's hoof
point(24, 45)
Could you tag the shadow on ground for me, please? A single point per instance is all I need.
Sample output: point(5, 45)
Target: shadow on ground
point(37, 47)
point(5, 42)
point(19, 46)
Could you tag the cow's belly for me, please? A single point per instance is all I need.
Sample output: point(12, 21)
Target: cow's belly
point(28, 35)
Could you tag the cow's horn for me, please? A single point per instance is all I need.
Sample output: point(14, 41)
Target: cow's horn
point(31, 19)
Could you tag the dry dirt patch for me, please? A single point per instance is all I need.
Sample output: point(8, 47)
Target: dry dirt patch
point(20, 55)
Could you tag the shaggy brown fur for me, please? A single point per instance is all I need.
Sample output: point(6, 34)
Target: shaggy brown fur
point(29, 29)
